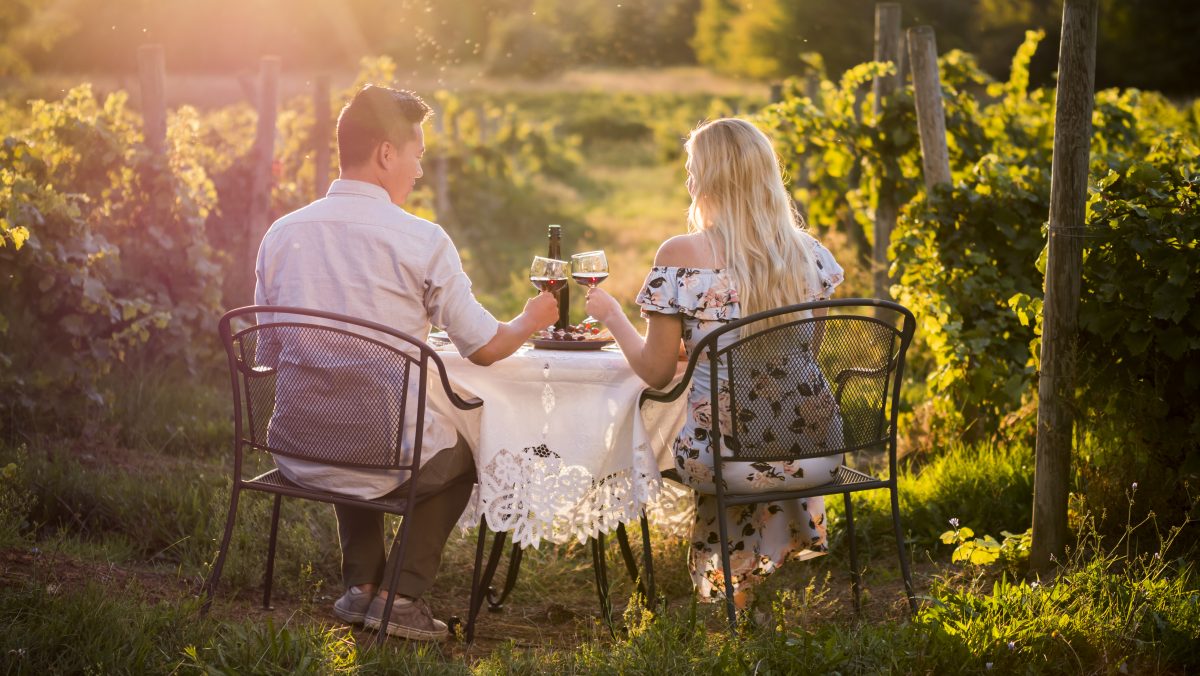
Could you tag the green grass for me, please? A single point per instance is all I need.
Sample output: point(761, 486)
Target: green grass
point(1098, 617)
point(169, 409)
point(119, 544)
point(989, 487)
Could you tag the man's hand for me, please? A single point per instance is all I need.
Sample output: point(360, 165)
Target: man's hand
point(542, 309)
point(602, 306)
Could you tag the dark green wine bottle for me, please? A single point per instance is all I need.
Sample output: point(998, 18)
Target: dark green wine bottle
point(564, 294)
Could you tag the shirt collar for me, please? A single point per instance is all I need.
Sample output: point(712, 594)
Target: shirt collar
point(344, 186)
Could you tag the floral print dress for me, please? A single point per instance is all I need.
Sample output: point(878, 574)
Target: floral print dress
point(763, 535)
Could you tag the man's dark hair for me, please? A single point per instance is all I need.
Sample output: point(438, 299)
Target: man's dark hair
point(377, 114)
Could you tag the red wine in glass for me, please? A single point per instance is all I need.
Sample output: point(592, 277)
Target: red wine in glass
point(589, 268)
point(550, 284)
point(589, 278)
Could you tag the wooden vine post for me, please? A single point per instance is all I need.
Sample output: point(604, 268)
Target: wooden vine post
point(931, 115)
point(322, 133)
point(1068, 205)
point(262, 158)
point(887, 49)
point(152, 74)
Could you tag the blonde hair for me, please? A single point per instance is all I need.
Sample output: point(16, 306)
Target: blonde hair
point(739, 199)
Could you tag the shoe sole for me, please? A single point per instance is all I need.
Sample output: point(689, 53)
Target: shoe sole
point(349, 618)
point(410, 633)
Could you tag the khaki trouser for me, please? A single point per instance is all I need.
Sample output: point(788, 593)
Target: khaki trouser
point(443, 488)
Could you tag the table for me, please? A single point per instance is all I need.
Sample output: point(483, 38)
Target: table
point(562, 450)
point(563, 453)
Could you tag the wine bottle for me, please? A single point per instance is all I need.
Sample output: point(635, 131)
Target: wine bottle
point(564, 294)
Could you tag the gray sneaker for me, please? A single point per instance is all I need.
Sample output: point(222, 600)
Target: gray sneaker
point(411, 619)
point(352, 606)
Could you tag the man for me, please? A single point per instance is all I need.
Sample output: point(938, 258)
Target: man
point(357, 252)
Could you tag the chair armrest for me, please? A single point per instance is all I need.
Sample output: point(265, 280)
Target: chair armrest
point(465, 404)
point(680, 387)
point(458, 401)
point(670, 395)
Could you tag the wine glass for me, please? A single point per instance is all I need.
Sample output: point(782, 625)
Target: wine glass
point(589, 269)
point(548, 274)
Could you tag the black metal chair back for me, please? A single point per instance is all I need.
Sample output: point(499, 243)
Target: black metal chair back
point(806, 386)
point(326, 388)
point(789, 385)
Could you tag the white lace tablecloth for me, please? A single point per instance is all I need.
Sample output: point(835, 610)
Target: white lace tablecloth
point(562, 450)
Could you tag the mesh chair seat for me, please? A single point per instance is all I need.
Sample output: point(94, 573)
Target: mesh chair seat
point(853, 479)
point(846, 480)
point(275, 482)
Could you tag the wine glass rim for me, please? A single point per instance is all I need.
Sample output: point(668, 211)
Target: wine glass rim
point(551, 260)
point(588, 253)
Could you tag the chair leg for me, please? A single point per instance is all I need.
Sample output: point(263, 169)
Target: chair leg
point(214, 576)
point(904, 567)
point(481, 581)
point(855, 574)
point(648, 564)
point(630, 562)
point(730, 609)
point(270, 572)
point(496, 601)
point(396, 557)
point(600, 569)
point(476, 590)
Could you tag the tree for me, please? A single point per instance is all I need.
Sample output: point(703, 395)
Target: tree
point(26, 27)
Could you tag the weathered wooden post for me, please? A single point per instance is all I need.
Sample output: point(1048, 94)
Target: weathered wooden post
point(152, 73)
point(263, 156)
point(1068, 210)
point(931, 115)
point(887, 48)
point(322, 130)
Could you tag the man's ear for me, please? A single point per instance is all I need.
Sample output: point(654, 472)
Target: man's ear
point(385, 154)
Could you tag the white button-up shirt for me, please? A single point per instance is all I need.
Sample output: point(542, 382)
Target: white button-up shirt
point(355, 253)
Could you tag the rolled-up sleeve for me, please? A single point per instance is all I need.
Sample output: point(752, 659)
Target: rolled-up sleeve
point(451, 304)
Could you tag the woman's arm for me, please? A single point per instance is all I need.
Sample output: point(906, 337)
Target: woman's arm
point(655, 357)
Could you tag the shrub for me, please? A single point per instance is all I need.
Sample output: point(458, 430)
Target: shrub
point(116, 259)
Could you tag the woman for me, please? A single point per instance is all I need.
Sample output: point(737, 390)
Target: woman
point(745, 252)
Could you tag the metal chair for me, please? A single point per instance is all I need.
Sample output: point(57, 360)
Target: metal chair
point(332, 389)
point(859, 349)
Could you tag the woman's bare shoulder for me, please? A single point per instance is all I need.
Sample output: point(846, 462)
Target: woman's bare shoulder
point(684, 251)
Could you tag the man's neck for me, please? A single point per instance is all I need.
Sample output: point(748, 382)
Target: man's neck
point(355, 174)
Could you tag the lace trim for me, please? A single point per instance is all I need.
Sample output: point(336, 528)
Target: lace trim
point(520, 489)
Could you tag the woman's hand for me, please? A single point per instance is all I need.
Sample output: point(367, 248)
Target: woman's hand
point(653, 357)
point(602, 306)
